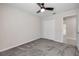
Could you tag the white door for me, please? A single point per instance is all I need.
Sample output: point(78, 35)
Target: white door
point(70, 30)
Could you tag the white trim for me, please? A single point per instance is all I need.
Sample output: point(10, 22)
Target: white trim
point(16, 45)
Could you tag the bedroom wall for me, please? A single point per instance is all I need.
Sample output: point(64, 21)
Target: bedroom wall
point(17, 27)
point(78, 29)
point(48, 28)
point(53, 25)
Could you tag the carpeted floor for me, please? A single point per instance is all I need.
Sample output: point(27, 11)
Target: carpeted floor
point(42, 47)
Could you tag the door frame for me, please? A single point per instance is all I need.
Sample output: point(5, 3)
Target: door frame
point(76, 26)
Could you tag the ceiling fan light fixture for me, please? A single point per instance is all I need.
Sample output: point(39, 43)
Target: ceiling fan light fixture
point(42, 10)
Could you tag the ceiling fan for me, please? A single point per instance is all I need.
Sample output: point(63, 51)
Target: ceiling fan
point(43, 8)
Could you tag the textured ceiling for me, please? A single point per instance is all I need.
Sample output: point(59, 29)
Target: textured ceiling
point(32, 8)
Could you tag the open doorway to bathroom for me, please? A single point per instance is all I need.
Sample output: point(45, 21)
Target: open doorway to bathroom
point(69, 30)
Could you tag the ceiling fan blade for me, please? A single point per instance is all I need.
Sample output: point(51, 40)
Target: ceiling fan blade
point(42, 5)
point(49, 8)
point(39, 5)
point(38, 11)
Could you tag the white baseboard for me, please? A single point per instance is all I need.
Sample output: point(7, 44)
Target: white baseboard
point(54, 40)
point(17, 45)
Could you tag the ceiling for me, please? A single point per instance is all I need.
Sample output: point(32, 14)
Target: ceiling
point(33, 7)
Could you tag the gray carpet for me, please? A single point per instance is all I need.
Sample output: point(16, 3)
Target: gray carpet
point(42, 47)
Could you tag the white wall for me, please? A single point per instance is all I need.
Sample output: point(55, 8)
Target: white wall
point(48, 28)
point(17, 27)
point(53, 25)
point(78, 29)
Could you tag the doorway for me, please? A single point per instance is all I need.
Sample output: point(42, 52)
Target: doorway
point(69, 30)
